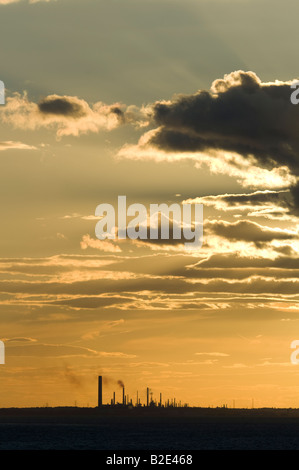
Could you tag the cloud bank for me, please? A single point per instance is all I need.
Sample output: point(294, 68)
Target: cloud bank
point(68, 115)
point(242, 127)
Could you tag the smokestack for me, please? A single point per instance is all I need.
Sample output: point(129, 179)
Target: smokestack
point(113, 398)
point(100, 391)
point(124, 397)
point(147, 396)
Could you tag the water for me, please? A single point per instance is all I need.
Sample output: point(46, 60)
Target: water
point(149, 434)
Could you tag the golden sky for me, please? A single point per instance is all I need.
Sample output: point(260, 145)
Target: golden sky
point(164, 102)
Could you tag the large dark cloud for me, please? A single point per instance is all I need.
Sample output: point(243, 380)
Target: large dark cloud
point(240, 114)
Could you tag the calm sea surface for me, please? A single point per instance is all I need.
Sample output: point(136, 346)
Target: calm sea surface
point(147, 434)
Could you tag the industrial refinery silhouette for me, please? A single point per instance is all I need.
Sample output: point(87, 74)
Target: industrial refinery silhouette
point(129, 402)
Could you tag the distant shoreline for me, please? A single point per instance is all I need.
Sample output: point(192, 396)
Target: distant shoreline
point(108, 412)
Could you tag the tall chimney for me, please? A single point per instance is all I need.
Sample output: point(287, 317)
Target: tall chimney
point(124, 399)
point(147, 396)
point(100, 391)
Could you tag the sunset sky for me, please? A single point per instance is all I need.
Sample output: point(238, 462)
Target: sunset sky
point(164, 101)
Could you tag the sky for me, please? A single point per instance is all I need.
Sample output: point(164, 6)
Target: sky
point(163, 101)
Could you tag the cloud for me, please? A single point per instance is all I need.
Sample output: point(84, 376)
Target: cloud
point(245, 170)
point(51, 350)
point(11, 145)
point(117, 354)
point(62, 350)
point(243, 127)
point(215, 354)
point(92, 302)
point(235, 261)
point(169, 244)
point(248, 231)
point(102, 245)
point(256, 200)
point(63, 106)
point(240, 114)
point(20, 340)
point(70, 284)
point(273, 205)
point(68, 115)
point(8, 2)
point(105, 327)
point(238, 365)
